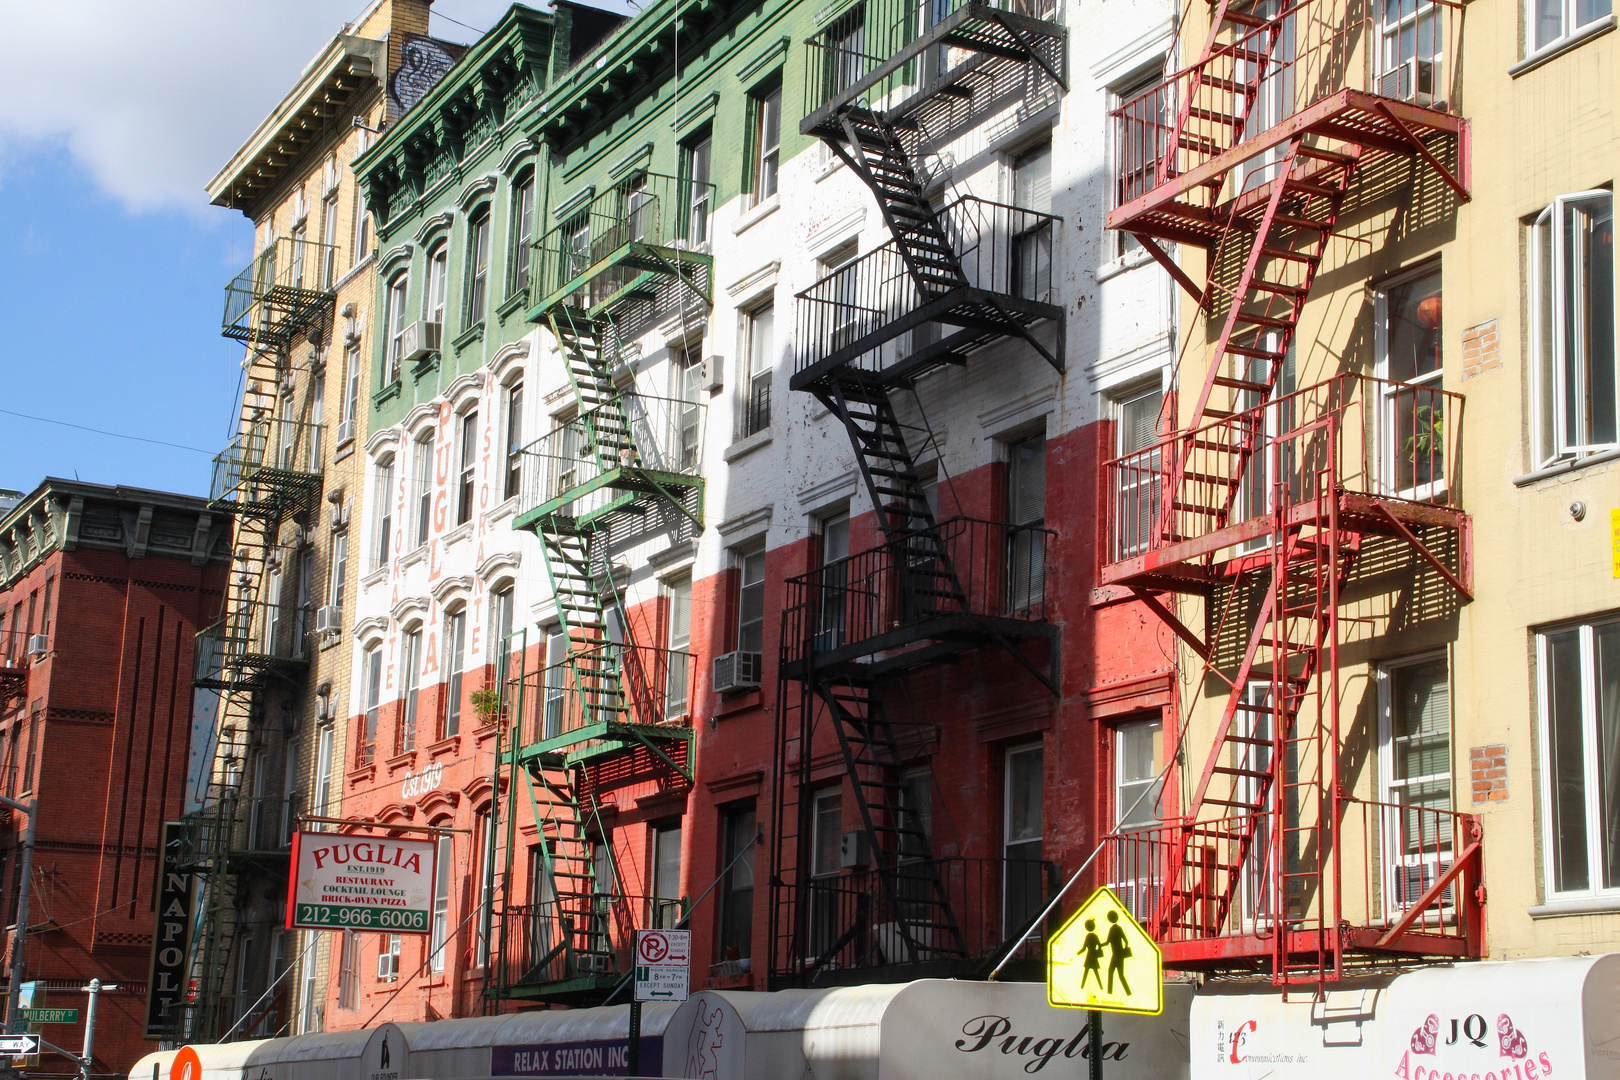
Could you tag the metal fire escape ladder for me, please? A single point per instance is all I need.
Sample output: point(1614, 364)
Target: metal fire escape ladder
point(921, 909)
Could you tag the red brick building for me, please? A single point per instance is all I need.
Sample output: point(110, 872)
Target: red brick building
point(102, 592)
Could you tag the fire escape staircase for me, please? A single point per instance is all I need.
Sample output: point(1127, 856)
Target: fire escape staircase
point(1253, 874)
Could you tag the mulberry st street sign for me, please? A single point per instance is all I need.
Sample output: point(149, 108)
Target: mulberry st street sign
point(343, 882)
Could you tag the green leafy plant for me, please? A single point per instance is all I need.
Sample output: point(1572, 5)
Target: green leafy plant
point(1429, 437)
point(487, 704)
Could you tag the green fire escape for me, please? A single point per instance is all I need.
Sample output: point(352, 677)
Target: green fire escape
point(593, 704)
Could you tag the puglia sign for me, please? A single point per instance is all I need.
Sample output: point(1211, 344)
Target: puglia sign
point(361, 883)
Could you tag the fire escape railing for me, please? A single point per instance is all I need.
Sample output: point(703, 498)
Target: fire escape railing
point(548, 946)
point(282, 291)
point(557, 708)
point(1394, 442)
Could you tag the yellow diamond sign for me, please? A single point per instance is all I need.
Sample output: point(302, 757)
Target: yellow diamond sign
point(1102, 959)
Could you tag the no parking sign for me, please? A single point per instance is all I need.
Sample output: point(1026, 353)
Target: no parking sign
point(663, 965)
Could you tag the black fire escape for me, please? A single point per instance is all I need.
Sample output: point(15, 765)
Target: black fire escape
point(888, 84)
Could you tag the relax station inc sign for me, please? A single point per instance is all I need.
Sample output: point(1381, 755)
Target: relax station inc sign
point(361, 883)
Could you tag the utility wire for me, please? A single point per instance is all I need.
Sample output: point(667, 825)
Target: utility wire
point(111, 434)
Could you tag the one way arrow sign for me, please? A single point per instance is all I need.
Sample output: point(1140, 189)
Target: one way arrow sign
point(18, 1045)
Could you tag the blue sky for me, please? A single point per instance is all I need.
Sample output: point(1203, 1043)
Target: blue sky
point(112, 263)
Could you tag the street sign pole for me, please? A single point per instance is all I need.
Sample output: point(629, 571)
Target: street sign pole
point(24, 878)
point(94, 990)
point(1094, 1037)
point(632, 1062)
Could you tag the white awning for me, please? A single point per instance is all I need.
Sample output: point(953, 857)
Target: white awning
point(1553, 1019)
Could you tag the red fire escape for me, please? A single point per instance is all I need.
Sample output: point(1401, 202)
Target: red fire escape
point(1264, 500)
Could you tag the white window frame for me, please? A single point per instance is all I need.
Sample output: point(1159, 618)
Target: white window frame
point(1390, 430)
point(396, 315)
point(1551, 446)
point(1571, 30)
point(382, 542)
point(440, 930)
point(1393, 858)
point(388, 958)
point(1585, 636)
point(1124, 494)
point(438, 279)
point(423, 466)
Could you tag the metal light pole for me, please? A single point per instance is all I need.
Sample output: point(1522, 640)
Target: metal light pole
point(25, 874)
point(94, 990)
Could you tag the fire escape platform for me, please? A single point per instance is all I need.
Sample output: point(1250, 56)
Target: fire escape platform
point(1353, 117)
point(1183, 566)
point(650, 263)
point(982, 315)
point(600, 739)
point(630, 481)
point(582, 991)
point(1219, 953)
point(914, 645)
point(982, 29)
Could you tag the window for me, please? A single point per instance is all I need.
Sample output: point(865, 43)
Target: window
point(751, 603)
point(1580, 752)
point(1023, 779)
point(1553, 20)
point(522, 231)
point(500, 624)
point(337, 572)
point(695, 157)
point(834, 591)
point(45, 604)
point(844, 58)
point(826, 850)
point(1138, 757)
point(514, 441)
point(310, 1013)
point(477, 265)
point(1136, 434)
point(317, 420)
point(686, 373)
point(287, 820)
point(388, 959)
point(469, 465)
point(1032, 228)
point(484, 845)
point(270, 628)
point(1572, 318)
point(845, 296)
point(349, 971)
point(329, 237)
point(759, 352)
point(438, 266)
point(1414, 769)
point(455, 644)
point(1026, 517)
point(302, 604)
point(1412, 415)
point(300, 244)
point(738, 830)
point(666, 876)
point(362, 227)
point(422, 477)
point(351, 392)
point(373, 692)
point(394, 319)
point(1409, 53)
point(676, 685)
point(441, 904)
point(765, 108)
point(35, 711)
point(556, 680)
point(1143, 135)
point(410, 666)
point(385, 511)
point(322, 805)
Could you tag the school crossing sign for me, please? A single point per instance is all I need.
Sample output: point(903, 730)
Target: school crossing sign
point(1102, 959)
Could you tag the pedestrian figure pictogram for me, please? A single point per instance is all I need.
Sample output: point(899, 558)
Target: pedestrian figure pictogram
point(1102, 959)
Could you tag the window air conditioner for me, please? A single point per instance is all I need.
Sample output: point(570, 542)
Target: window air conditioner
point(1415, 79)
point(345, 431)
point(736, 671)
point(420, 339)
point(714, 373)
point(38, 646)
point(329, 619)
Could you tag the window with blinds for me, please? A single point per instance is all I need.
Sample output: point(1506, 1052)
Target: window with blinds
point(1417, 775)
point(1136, 485)
point(1026, 518)
point(680, 639)
point(1032, 232)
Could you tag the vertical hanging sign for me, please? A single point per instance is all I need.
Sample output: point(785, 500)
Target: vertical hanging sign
point(171, 935)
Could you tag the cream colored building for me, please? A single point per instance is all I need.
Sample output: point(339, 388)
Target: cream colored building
point(1413, 421)
point(294, 474)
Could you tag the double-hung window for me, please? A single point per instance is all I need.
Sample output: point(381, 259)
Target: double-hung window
point(373, 669)
point(1580, 756)
point(469, 466)
point(696, 154)
point(1023, 783)
point(765, 107)
point(514, 441)
point(1573, 332)
point(477, 266)
point(1026, 518)
point(522, 231)
point(1144, 132)
point(385, 512)
point(556, 683)
point(329, 235)
point(759, 345)
point(751, 603)
point(666, 899)
point(676, 683)
point(437, 280)
point(1415, 775)
point(738, 826)
point(410, 663)
point(337, 570)
point(1032, 225)
point(1136, 487)
point(1413, 413)
point(422, 477)
point(395, 316)
point(1138, 759)
point(351, 394)
point(1551, 21)
point(440, 930)
point(455, 645)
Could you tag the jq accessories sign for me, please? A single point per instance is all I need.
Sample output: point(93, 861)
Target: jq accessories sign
point(361, 883)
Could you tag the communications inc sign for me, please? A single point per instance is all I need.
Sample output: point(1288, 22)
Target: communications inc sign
point(361, 883)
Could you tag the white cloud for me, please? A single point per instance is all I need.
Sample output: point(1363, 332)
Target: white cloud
point(152, 98)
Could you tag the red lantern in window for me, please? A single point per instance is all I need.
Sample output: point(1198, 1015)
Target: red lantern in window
point(1428, 312)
